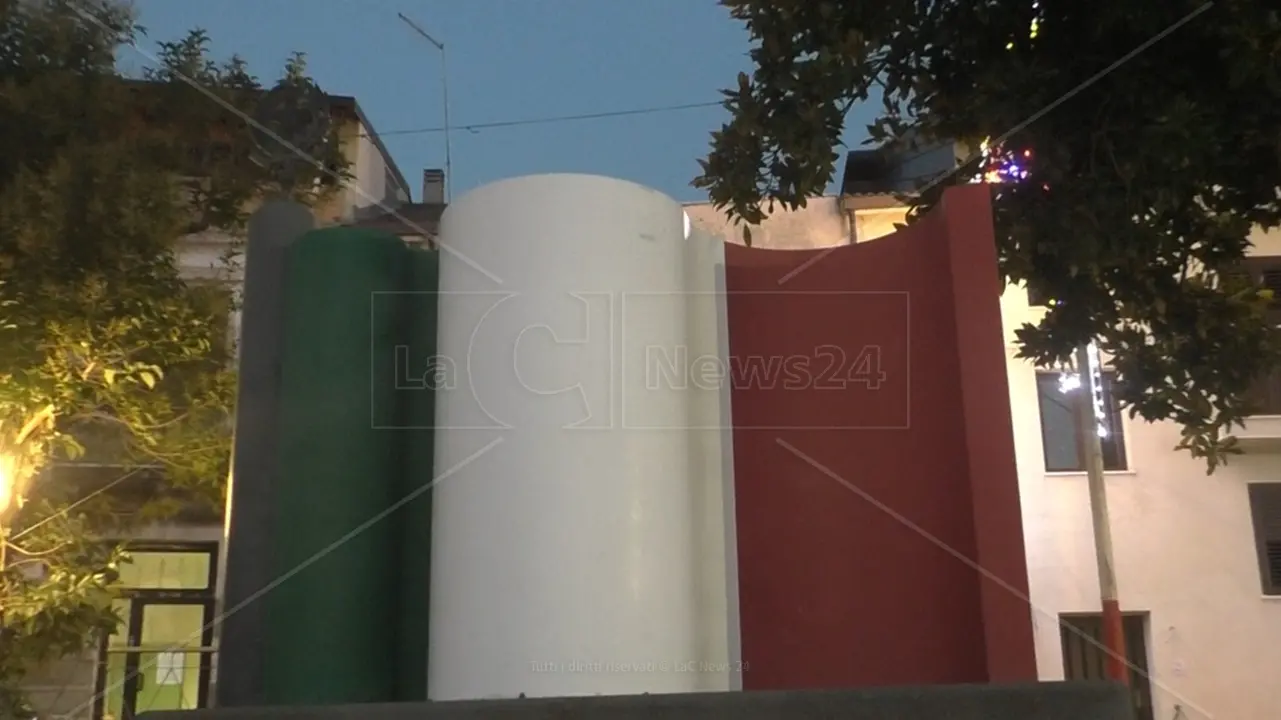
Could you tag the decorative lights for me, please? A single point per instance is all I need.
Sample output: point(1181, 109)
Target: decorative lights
point(999, 166)
point(1070, 381)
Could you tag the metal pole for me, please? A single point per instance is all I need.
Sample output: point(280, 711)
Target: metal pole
point(444, 82)
point(1088, 427)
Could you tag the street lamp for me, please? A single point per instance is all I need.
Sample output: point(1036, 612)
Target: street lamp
point(8, 485)
point(8, 500)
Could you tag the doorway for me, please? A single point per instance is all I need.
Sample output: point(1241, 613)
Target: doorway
point(159, 657)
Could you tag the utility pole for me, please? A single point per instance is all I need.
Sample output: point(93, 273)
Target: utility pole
point(444, 84)
point(1088, 408)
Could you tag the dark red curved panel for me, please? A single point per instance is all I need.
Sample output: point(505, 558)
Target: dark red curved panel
point(874, 461)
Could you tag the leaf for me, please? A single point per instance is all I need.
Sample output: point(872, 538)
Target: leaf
point(116, 357)
point(1106, 219)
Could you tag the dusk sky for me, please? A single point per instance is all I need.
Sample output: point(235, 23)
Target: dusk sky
point(509, 60)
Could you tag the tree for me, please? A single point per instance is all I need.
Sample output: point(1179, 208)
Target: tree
point(106, 352)
point(1144, 182)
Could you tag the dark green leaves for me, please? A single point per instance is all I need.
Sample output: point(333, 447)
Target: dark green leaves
point(101, 176)
point(1146, 178)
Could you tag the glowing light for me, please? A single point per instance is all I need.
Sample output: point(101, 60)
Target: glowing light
point(1070, 382)
point(8, 479)
point(998, 166)
point(1033, 30)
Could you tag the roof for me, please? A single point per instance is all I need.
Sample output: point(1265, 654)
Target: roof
point(888, 170)
point(408, 220)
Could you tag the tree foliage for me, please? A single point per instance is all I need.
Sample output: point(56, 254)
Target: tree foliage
point(106, 352)
point(1155, 136)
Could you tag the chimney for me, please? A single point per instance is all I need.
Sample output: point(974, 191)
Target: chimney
point(434, 186)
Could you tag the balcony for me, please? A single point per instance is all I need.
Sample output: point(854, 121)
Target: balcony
point(1262, 432)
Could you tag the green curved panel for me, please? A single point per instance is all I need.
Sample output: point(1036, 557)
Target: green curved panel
point(331, 621)
point(417, 405)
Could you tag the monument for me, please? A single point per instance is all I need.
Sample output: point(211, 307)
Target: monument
point(585, 461)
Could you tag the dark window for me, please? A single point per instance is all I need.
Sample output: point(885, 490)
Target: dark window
point(1085, 659)
point(1265, 273)
point(1265, 507)
point(159, 656)
point(1060, 438)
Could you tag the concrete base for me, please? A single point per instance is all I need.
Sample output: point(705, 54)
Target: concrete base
point(1034, 701)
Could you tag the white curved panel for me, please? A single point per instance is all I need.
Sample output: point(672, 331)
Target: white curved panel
point(711, 442)
point(564, 556)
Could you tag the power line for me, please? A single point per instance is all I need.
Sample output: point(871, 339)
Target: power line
point(476, 127)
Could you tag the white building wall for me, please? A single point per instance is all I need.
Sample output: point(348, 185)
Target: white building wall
point(1184, 542)
point(819, 224)
point(369, 187)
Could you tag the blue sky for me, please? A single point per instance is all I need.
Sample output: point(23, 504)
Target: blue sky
point(508, 60)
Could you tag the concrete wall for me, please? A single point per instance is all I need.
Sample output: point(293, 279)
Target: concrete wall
point(370, 189)
point(820, 224)
point(1184, 541)
point(1058, 701)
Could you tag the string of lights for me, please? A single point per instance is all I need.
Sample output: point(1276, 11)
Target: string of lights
point(999, 165)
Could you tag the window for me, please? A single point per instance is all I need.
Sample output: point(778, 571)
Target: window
point(1085, 659)
point(1059, 435)
point(159, 656)
point(1265, 507)
point(1037, 298)
point(1265, 273)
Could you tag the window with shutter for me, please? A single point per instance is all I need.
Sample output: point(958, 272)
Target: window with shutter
point(1265, 507)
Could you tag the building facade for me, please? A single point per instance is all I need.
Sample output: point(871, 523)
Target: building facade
point(1198, 557)
point(171, 595)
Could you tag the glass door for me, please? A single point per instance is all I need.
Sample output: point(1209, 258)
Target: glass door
point(159, 656)
point(167, 666)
